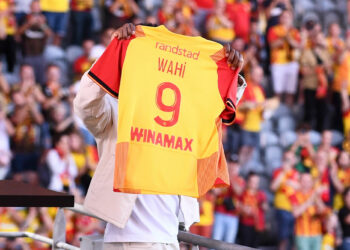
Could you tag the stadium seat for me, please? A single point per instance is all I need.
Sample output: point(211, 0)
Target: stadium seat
point(282, 110)
point(267, 125)
point(285, 123)
point(287, 138)
point(268, 138)
point(337, 138)
point(315, 137)
point(53, 53)
point(73, 52)
point(273, 155)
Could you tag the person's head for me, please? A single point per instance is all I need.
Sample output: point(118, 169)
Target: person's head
point(289, 160)
point(59, 112)
point(53, 73)
point(35, 7)
point(346, 197)
point(321, 160)
point(306, 182)
point(334, 29)
point(238, 44)
point(326, 138)
point(286, 19)
point(220, 6)
point(253, 181)
point(257, 74)
point(76, 142)
point(304, 134)
point(26, 73)
point(87, 46)
point(233, 164)
point(254, 26)
point(61, 144)
point(343, 159)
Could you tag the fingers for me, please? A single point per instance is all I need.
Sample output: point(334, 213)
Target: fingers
point(227, 49)
point(235, 61)
point(241, 62)
point(115, 34)
point(128, 30)
point(231, 57)
point(234, 58)
point(124, 32)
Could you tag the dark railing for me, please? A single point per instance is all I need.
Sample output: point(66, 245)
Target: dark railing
point(58, 241)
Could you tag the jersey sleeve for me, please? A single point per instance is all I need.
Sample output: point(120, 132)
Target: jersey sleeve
point(228, 81)
point(107, 70)
point(272, 35)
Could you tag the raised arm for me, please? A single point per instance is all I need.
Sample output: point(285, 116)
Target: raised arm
point(93, 107)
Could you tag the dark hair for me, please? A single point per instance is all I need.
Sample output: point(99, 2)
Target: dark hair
point(251, 174)
point(56, 138)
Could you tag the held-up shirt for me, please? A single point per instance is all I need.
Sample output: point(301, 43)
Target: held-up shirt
point(174, 93)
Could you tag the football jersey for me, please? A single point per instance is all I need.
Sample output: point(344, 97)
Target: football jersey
point(174, 93)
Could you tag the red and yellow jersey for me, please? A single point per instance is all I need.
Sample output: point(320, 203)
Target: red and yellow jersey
point(81, 5)
point(328, 242)
point(174, 92)
point(253, 117)
point(310, 222)
point(285, 53)
point(284, 194)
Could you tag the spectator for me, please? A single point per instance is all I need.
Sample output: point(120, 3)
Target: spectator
point(25, 143)
point(28, 86)
point(284, 184)
point(62, 122)
point(53, 89)
point(62, 165)
point(284, 41)
point(8, 28)
point(227, 205)
point(335, 47)
point(330, 239)
point(119, 12)
point(206, 210)
point(6, 130)
point(83, 63)
point(308, 209)
point(252, 106)
point(219, 27)
point(239, 12)
point(84, 160)
point(81, 20)
point(315, 64)
point(56, 13)
point(320, 173)
point(252, 207)
point(344, 219)
point(340, 176)
point(303, 149)
point(34, 33)
point(204, 9)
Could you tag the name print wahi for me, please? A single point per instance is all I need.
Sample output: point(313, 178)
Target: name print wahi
point(174, 67)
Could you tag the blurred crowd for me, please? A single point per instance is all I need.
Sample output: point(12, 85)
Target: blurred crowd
point(287, 153)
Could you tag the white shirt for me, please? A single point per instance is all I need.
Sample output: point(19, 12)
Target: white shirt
point(153, 219)
point(58, 167)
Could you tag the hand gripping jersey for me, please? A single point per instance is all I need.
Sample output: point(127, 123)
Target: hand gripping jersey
point(174, 92)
